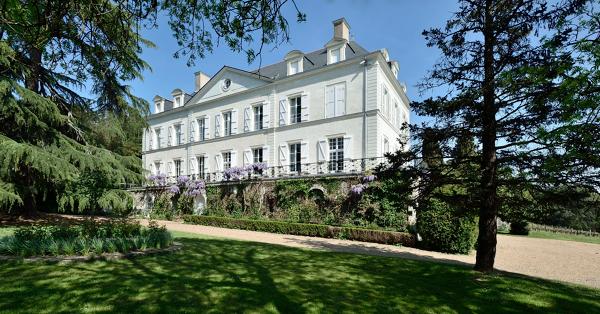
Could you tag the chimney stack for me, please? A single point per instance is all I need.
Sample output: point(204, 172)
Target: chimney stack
point(201, 79)
point(341, 29)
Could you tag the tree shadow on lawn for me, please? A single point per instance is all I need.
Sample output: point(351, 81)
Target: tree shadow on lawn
point(211, 275)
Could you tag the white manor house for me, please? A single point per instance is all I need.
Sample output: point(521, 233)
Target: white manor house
point(334, 110)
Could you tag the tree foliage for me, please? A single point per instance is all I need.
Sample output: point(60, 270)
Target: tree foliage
point(522, 82)
point(70, 126)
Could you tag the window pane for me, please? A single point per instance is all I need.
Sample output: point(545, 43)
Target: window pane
point(296, 109)
point(295, 158)
point(258, 118)
point(336, 154)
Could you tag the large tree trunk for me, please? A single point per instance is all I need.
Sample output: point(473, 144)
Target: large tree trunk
point(486, 243)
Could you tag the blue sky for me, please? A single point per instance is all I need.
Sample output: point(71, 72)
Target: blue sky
point(393, 24)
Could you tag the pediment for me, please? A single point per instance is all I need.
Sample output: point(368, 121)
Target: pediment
point(229, 81)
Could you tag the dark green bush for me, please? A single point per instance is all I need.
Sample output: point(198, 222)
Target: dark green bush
point(519, 227)
point(312, 230)
point(443, 229)
point(84, 239)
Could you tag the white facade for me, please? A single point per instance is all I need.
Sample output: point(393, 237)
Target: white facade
point(338, 103)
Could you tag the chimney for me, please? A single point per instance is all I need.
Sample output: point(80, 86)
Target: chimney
point(201, 79)
point(341, 29)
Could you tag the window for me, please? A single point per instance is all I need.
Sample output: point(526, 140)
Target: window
point(226, 84)
point(386, 102)
point(158, 138)
point(201, 129)
point(178, 134)
point(296, 109)
point(258, 117)
point(294, 67)
point(334, 55)
point(226, 160)
point(227, 122)
point(336, 154)
point(201, 164)
point(295, 157)
point(178, 170)
point(257, 155)
point(386, 145)
point(157, 167)
point(335, 100)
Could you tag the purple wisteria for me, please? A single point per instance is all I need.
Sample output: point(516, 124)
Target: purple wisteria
point(159, 179)
point(188, 187)
point(358, 189)
point(239, 173)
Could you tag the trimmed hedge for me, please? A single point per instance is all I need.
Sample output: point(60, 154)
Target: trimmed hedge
point(445, 230)
point(311, 230)
point(519, 227)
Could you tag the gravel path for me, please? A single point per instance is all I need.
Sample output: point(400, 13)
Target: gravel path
point(567, 261)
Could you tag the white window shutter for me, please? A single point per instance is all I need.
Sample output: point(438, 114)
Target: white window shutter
point(340, 100)
point(218, 163)
point(206, 170)
point(322, 155)
point(192, 166)
point(170, 168)
point(266, 111)
point(348, 147)
point(206, 127)
point(234, 119)
point(305, 108)
point(329, 101)
point(152, 168)
point(164, 139)
point(151, 138)
point(283, 154)
point(304, 153)
point(247, 157)
point(192, 131)
point(234, 158)
point(282, 112)
point(170, 136)
point(218, 125)
point(247, 121)
point(266, 155)
point(182, 129)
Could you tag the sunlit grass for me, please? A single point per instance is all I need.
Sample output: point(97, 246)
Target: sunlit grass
point(564, 236)
point(226, 276)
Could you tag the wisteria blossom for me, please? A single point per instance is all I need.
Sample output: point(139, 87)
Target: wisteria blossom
point(357, 189)
point(159, 179)
point(174, 189)
point(182, 180)
point(369, 178)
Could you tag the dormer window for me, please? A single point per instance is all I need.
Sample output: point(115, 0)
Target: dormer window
point(295, 62)
point(159, 108)
point(336, 54)
point(294, 66)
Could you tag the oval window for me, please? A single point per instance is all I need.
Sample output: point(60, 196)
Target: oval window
point(226, 84)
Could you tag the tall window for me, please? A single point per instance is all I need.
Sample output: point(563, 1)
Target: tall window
point(157, 167)
point(386, 102)
point(258, 117)
point(178, 134)
point(386, 145)
point(158, 138)
point(336, 154)
point(227, 122)
point(201, 164)
point(178, 170)
point(201, 129)
point(295, 157)
point(335, 100)
point(257, 155)
point(226, 160)
point(296, 109)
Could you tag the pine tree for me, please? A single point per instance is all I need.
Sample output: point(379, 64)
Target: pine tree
point(522, 80)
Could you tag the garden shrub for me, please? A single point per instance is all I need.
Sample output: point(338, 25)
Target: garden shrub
point(519, 227)
point(444, 229)
point(313, 230)
point(90, 237)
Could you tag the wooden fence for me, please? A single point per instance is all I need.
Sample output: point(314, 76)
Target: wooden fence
point(554, 229)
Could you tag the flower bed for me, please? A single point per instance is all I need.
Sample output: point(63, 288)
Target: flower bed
point(87, 238)
point(312, 230)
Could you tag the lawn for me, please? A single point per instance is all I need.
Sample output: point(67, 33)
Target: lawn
point(564, 236)
point(223, 276)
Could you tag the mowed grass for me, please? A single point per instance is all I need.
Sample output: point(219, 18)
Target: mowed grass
point(564, 236)
point(225, 276)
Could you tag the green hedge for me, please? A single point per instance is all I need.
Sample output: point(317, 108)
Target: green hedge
point(311, 230)
point(443, 229)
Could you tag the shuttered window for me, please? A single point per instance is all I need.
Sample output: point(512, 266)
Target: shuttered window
point(336, 154)
point(335, 100)
point(295, 157)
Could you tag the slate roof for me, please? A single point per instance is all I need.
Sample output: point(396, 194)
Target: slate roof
point(312, 60)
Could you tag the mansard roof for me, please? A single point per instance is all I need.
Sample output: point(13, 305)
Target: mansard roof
point(312, 60)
